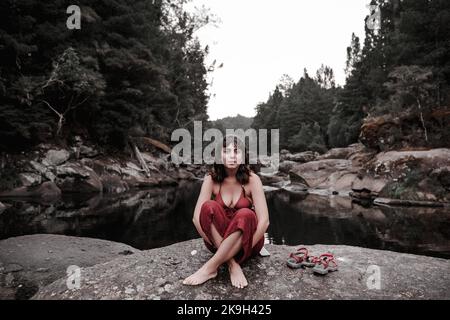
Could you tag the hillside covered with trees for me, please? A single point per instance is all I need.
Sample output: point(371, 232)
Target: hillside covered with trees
point(133, 69)
point(396, 93)
point(237, 122)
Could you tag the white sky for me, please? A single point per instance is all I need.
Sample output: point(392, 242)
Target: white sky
point(260, 40)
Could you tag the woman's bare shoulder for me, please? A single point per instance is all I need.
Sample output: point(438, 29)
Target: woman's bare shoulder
point(209, 182)
point(254, 179)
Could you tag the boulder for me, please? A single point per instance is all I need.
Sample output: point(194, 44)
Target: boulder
point(397, 163)
point(301, 157)
point(155, 163)
point(417, 175)
point(317, 173)
point(132, 171)
point(42, 170)
point(296, 188)
point(343, 181)
point(88, 152)
point(30, 179)
point(369, 184)
point(342, 153)
point(113, 168)
point(46, 191)
point(297, 179)
point(286, 166)
point(75, 178)
point(272, 180)
point(113, 184)
point(56, 157)
point(158, 274)
point(73, 170)
point(75, 185)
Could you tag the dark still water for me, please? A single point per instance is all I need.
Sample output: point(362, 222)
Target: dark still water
point(159, 217)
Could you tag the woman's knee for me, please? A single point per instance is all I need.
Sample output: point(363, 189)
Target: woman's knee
point(208, 206)
point(246, 214)
point(211, 210)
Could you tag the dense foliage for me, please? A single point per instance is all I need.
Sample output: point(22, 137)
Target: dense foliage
point(402, 67)
point(134, 68)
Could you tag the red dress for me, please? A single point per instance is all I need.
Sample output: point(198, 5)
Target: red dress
point(228, 220)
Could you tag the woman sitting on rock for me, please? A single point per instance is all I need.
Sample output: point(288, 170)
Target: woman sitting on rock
point(234, 223)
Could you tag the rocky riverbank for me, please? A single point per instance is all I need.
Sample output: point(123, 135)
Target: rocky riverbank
point(414, 177)
point(49, 171)
point(114, 271)
point(406, 177)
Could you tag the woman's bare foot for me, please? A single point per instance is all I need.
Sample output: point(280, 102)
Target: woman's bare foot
point(237, 276)
point(201, 276)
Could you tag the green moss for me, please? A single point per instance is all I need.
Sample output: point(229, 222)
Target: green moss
point(413, 183)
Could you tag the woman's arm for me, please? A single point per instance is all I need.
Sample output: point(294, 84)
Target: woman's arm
point(260, 203)
point(205, 195)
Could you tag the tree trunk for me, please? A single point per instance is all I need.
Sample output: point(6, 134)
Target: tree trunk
point(422, 120)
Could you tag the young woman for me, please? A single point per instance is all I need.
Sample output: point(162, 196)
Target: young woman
point(234, 223)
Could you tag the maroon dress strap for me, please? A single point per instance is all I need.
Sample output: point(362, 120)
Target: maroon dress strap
point(248, 198)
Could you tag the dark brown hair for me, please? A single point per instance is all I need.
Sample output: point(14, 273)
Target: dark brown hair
point(218, 172)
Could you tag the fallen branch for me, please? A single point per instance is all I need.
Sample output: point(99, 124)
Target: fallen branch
point(141, 159)
point(156, 143)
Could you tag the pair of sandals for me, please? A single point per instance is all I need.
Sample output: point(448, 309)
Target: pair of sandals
point(322, 265)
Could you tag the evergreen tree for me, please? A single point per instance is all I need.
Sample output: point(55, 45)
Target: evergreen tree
point(134, 67)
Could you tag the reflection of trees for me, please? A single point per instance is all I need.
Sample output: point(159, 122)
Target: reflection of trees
point(336, 220)
point(144, 219)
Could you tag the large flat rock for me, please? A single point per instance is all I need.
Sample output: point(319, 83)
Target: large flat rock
point(158, 274)
point(29, 262)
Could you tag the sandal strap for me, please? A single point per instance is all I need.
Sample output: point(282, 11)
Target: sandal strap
point(325, 259)
point(303, 250)
point(296, 257)
point(300, 255)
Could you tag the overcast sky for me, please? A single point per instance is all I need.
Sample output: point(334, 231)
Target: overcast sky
point(260, 40)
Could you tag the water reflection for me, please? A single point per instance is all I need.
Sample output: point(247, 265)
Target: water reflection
point(143, 219)
point(313, 219)
point(158, 217)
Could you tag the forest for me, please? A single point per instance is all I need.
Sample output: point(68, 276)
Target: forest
point(397, 87)
point(135, 68)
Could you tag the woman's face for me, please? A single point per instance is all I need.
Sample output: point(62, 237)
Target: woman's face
point(232, 156)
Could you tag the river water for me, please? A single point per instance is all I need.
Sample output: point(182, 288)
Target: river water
point(147, 219)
